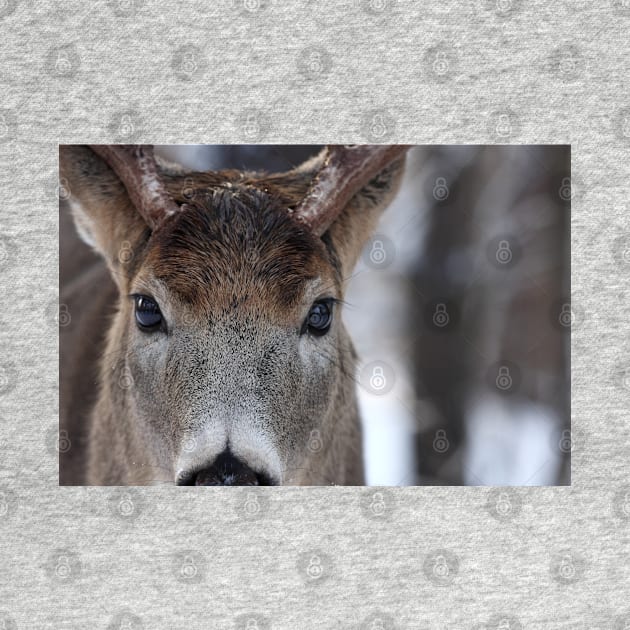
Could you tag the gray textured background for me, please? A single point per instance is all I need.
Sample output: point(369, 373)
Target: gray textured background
point(262, 71)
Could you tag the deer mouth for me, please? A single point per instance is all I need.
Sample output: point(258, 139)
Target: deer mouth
point(226, 470)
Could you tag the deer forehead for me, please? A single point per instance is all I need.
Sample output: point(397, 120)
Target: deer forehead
point(239, 256)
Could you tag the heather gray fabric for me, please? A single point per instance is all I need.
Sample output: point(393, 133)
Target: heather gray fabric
point(263, 71)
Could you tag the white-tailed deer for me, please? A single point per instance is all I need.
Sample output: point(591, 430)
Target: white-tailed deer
point(218, 355)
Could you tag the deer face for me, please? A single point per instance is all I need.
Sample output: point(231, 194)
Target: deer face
point(232, 339)
point(228, 342)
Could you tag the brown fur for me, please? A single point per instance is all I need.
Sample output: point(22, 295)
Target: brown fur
point(234, 276)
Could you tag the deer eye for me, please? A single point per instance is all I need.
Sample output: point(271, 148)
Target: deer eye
point(319, 317)
point(148, 316)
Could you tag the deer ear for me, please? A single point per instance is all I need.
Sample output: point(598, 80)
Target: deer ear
point(356, 223)
point(105, 217)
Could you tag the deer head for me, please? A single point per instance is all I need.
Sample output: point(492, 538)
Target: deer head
point(227, 331)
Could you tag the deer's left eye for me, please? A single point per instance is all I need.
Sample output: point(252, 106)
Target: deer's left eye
point(319, 317)
point(148, 315)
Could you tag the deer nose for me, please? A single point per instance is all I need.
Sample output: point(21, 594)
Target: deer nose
point(227, 470)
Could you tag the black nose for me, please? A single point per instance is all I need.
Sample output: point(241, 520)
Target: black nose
point(227, 470)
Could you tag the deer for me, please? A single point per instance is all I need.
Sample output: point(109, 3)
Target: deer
point(204, 343)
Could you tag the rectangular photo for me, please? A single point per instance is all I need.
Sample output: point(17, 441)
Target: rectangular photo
point(364, 315)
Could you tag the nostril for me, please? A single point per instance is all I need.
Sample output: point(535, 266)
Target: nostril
point(227, 470)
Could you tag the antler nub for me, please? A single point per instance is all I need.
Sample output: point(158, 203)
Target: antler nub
point(345, 170)
point(137, 169)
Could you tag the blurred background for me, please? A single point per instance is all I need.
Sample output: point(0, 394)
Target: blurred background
point(460, 312)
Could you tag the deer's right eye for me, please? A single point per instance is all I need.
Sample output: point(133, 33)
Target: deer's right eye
point(148, 315)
